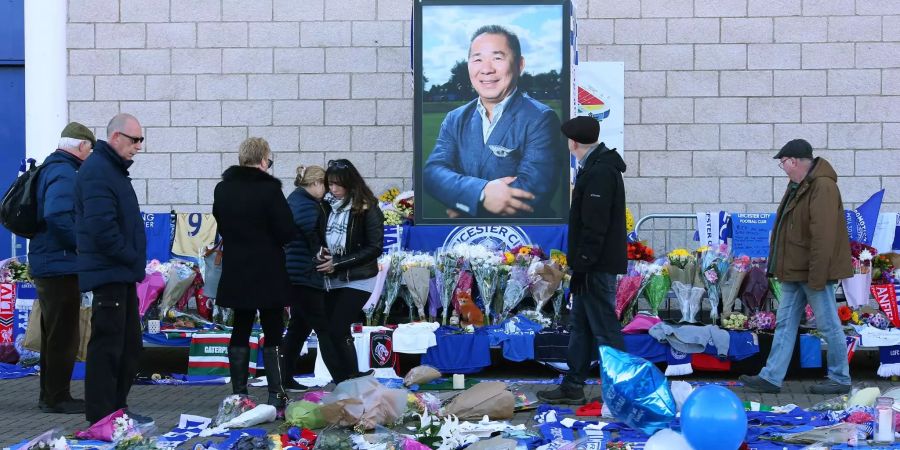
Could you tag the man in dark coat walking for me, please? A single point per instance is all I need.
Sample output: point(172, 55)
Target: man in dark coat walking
point(112, 254)
point(597, 253)
point(51, 257)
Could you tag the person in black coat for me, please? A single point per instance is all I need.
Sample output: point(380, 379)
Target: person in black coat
point(52, 263)
point(354, 236)
point(597, 253)
point(307, 284)
point(255, 223)
point(112, 254)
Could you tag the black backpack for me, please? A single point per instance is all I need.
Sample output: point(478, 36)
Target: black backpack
point(19, 207)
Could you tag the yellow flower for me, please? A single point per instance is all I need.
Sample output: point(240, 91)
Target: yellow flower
point(679, 253)
point(525, 250)
point(702, 249)
point(508, 257)
point(854, 317)
point(629, 220)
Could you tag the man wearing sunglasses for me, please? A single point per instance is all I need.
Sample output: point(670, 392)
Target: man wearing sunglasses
point(111, 257)
point(808, 253)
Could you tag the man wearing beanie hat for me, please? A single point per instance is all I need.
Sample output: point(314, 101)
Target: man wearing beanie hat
point(497, 155)
point(808, 252)
point(597, 253)
point(51, 255)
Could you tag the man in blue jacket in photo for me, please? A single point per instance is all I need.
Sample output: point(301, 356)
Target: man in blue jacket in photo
point(52, 261)
point(498, 155)
point(112, 254)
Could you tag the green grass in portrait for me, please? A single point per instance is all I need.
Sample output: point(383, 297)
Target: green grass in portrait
point(433, 114)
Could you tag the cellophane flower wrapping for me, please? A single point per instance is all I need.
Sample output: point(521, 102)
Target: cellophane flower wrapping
point(731, 283)
point(626, 291)
point(392, 281)
point(856, 289)
point(688, 297)
point(378, 292)
point(112, 428)
point(233, 406)
point(755, 289)
point(447, 266)
point(487, 276)
point(417, 276)
point(546, 277)
point(657, 290)
point(714, 263)
point(558, 298)
point(516, 288)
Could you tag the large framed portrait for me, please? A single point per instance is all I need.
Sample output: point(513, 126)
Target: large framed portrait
point(492, 85)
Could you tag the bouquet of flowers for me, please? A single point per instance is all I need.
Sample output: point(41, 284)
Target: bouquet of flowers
point(736, 321)
point(884, 270)
point(485, 266)
point(447, 265)
point(546, 277)
point(657, 288)
point(116, 427)
point(11, 270)
point(516, 288)
point(682, 271)
point(856, 287)
point(562, 261)
point(714, 266)
point(637, 251)
point(627, 290)
point(762, 321)
point(416, 276)
point(755, 289)
point(393, 261)
point(731, 283)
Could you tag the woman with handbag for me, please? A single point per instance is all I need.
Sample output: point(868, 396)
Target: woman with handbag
point(307, 285)
point(354, 236)
point(254, 217)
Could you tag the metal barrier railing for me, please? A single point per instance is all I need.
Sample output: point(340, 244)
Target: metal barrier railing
point(666, 232)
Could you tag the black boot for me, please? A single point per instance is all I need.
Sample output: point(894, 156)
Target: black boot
point(288, 359)
point(349, 363)
point(272, 361)
point(239, 367)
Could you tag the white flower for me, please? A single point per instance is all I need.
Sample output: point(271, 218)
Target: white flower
point(865, 255)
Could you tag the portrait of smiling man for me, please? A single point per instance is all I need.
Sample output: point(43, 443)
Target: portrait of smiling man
point(499, 155)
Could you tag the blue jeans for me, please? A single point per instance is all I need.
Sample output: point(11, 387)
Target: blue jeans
point(794, 298)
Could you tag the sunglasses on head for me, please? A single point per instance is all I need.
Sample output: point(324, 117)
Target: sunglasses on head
point(134, 140)
point(339, 163)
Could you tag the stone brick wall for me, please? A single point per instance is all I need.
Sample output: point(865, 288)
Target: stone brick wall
point(713, 87)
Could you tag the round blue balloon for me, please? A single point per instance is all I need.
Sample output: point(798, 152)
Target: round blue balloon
point(713, 408)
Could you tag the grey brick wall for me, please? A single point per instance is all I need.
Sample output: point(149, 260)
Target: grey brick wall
point(713, 87)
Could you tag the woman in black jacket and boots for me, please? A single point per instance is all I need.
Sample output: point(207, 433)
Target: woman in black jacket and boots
point(307, 284)
point(354, 236)
point(255, 223)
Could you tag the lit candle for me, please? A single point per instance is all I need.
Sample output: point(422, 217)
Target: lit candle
point(885, 432)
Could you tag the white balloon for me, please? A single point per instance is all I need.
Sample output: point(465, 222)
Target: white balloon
point(681, 390)
point(667, 439)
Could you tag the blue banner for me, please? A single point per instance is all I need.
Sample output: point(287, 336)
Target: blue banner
point(428, 238)
point(861, 221)
point(750, 233)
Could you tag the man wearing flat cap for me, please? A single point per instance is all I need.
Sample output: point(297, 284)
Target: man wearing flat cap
point(597, 253)
point(51, 255)
point(808, 252)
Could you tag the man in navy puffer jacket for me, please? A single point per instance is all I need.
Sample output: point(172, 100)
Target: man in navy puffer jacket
point(112, 254)
point(52, 260)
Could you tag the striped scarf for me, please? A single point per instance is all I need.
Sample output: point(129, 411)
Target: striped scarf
point(336, 229)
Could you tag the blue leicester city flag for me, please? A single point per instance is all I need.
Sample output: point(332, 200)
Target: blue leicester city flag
point(861, 221)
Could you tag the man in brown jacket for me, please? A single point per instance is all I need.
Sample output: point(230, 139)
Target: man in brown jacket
point(809, 251)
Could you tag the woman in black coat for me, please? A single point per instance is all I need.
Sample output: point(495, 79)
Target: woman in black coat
point(255, 223)
point(354, 237)
point(307, 284)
